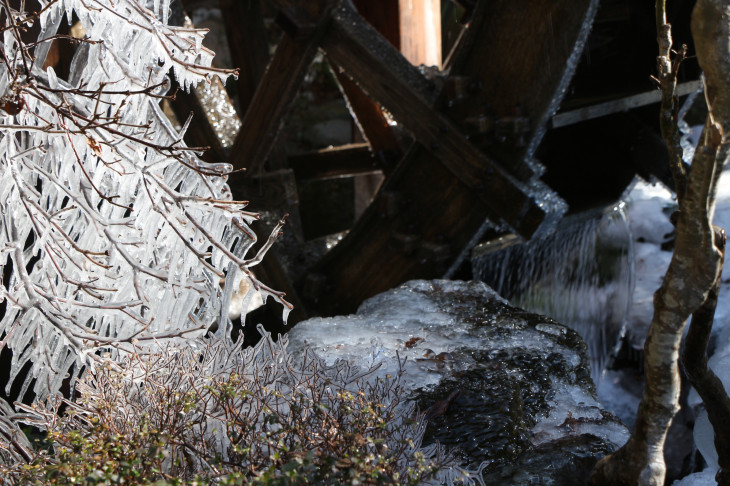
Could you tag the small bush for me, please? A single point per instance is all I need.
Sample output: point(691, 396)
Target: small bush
point(214, 413)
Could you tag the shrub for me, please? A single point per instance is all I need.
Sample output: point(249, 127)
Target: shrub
point(212, 412)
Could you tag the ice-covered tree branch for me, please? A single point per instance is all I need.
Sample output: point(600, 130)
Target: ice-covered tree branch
point(112, 231)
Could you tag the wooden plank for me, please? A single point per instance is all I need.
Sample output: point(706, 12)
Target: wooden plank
point(277, 90)
point(389, 78)
point(345, 161)
point(619, 105)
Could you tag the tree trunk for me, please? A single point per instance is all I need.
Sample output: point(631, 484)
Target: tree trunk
point(697, 261)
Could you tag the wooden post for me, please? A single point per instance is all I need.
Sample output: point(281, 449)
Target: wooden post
point(420, 31)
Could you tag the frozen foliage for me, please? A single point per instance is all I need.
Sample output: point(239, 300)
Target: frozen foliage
point(216, 411)
point(112, 232)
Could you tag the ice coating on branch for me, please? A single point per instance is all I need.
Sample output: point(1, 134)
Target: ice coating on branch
point(112, 233)
point(138, 47)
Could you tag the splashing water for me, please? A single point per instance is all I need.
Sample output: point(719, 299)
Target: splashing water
point(582, 275)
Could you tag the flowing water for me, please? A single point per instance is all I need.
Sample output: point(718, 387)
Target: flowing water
point(581, 275)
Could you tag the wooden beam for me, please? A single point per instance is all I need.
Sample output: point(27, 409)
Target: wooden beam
point(389, 78)
point(372, 122)
point(383, 15)
point(277, 90)
point(248, 44)
point(346, 161)
point(523, 54)
point(619, 105)
point(401, 236)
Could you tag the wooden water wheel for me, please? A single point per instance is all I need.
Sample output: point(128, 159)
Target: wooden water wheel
point(475, 123)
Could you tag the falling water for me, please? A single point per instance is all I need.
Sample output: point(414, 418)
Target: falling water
point(581, 275)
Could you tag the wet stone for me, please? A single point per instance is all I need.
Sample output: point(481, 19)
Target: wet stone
point(509, 391)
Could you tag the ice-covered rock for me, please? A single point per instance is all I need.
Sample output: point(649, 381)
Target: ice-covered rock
point(509, 389)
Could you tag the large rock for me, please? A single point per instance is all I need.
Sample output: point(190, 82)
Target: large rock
point(511, 390)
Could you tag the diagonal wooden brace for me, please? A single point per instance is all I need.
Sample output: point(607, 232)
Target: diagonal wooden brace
point(276, 92)
point(388, 77)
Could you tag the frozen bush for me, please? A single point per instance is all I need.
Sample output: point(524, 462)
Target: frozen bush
point(215, 412)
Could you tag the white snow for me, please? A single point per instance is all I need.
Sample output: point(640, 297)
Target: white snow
point(704, 478)
point(645, 205)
